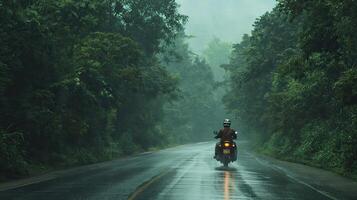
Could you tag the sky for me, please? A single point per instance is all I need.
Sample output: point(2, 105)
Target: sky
point(226, 19)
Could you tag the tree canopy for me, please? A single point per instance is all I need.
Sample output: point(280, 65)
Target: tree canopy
point(294, 83)
point(80, 81)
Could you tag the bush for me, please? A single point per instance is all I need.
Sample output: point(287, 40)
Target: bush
point(12, 160)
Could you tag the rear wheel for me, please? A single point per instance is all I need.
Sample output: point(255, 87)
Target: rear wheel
point(225, 163)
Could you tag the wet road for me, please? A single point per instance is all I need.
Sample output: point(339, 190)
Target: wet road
point(184, 172)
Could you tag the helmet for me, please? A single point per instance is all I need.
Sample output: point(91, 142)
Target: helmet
point(227, 123)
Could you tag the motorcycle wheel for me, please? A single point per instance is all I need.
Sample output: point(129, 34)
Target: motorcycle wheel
point(225, 163)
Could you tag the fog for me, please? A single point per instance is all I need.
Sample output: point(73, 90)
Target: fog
point(226, 19)
point(113, 82)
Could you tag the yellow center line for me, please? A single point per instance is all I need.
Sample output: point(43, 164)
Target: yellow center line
point(143, 187)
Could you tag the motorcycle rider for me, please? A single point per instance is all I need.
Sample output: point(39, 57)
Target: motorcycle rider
point(226, 134)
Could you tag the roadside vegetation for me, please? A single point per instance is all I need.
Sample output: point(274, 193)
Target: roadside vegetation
point(91, 80)
point(294, 83)
point(82, 81)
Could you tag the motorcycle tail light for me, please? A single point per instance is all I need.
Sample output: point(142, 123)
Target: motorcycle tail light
point(226, 144)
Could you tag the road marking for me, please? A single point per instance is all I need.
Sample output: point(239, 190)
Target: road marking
point(275, 167)
point(311, 187)
point(143, 187)
point(192, 161)
point(18, 184)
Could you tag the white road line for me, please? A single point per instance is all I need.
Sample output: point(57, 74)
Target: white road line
point(275, 167)
point(15, 185)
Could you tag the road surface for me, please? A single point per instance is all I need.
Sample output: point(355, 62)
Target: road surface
point(183, 173)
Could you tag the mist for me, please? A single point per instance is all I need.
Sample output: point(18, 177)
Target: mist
point(227, 20)
point(88, 81)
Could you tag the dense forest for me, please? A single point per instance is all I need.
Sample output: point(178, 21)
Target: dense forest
point(199, 110)
point(90, 80)
point(294, 83)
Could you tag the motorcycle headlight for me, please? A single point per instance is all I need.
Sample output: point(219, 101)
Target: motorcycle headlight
point(226, 144)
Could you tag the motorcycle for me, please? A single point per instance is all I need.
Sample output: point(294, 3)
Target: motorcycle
point(227, 152)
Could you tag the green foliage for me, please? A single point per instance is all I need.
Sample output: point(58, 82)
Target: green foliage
point(12, 154)
point(80, 80)
point(346, 87)
point(196, 111)
point(294, 83)
point(216, 54)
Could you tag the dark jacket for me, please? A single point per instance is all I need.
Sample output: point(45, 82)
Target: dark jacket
point(227, 134)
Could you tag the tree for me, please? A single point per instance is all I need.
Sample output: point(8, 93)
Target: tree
point(217, 53)
point(195, 114)
point(293, 83)
point(80, 81)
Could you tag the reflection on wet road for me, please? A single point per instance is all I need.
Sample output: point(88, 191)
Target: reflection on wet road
point(185, 172)
point(226, 185)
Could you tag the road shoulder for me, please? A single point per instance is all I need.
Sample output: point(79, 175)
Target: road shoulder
point(338, 187)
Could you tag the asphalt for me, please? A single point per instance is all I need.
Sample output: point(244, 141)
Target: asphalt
point(183, 173)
